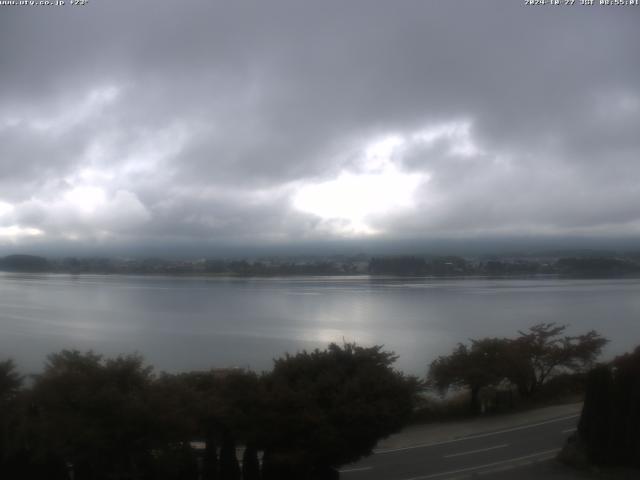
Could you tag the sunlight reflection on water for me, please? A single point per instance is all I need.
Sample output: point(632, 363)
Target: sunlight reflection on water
point(185, 323)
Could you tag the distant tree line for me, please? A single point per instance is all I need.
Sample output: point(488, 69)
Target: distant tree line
point(574, 266)
point(243, 267)
point(88, 417)
point(526, 362)
point(24, 263)
point(597, 266)
point(32, 263)
point(403, 265)
point(419, 266)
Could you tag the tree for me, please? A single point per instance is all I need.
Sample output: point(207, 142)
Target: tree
point(543, 351)
point(10, 384)
point(527, 361)
point(476, 366)
point(330, 407)
point(229, 468)
point(250, 463)
point(229, 406)
point(93, 413)
point(10, 380)
point(595, 425)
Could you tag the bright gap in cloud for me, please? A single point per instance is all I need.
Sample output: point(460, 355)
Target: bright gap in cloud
point(353, 198)
point(86, 199)
point(456, 133)
point(14, 232)
point(5, 208)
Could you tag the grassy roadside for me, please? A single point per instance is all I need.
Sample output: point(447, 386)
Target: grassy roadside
point(454, 405)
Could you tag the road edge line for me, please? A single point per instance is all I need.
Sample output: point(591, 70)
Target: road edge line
point(474, 436)
point(486, 465)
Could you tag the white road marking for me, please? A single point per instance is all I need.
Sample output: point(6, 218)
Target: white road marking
point(361, 469)
point(473, 437)
point(452, 455)
point(486, 465)
point(569, 430)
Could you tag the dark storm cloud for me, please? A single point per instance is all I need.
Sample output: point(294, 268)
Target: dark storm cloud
point(204, 121)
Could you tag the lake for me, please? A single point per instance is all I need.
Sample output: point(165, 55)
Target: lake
point(197, 323)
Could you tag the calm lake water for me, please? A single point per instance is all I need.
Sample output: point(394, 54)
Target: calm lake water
point(196, 323)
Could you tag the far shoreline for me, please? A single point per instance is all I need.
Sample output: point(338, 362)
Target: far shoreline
point(230, 275)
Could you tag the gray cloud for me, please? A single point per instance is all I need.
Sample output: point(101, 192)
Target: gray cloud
point(204, 122)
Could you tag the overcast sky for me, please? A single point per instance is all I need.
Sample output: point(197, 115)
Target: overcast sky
point(209, 123)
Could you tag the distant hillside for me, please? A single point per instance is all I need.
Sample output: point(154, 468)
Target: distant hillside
point(23, 263)
point(604, 266)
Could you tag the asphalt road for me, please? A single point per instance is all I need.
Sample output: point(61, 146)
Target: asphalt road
point(483, 454)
